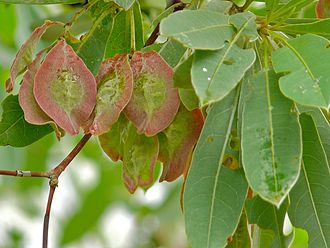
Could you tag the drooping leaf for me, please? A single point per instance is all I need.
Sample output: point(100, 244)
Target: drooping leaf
point(64, 88)
point(14, 130)
point(198, 29)
point(32, 111)
point(241, 238)
point(92, 47)
point(138, 153)
point(271, 159)
point(214, 194)
point(323, 9)
point(267, 216)
point(177, 142)
point(115, 87)
point(318, 27)
point(305, 61)
point(24, 56)
point(155, 101)
point(310, 197)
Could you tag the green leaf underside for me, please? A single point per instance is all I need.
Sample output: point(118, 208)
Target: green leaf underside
point(138, 153)
point(115, 86)
point(214, 195)
point(154, 102)
point(41, 1)
point(305, 62)
point(271, 159)
point(64, 88)
point(126, 4)
point(318, 27)
point(14, 130)
point(24, 56)
point(310, 197)
point(268, 217)
point(92, 47)
point(216, 73)
point(241, 238)
point(177, 142)
point(200, 29)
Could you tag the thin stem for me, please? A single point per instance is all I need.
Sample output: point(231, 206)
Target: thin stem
point(46, 217)
point(21, 173)
point(57, 171)
point(154, 35)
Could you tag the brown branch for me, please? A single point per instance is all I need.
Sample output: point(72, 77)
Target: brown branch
point(46, 217)
point(155, 33)
point(21, 173)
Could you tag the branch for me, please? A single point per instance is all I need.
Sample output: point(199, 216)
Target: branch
point(21, 173)
point(154, 35)
point(54, 175)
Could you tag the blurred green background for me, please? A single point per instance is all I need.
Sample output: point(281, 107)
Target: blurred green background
point(91, 207)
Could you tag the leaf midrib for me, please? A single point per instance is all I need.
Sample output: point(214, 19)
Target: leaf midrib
point(313, 204)
point(231, 44)
point(201, 29)
point(215, 186)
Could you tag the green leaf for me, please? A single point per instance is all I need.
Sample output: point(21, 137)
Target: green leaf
point(92, 47)
point(9, 22)
point(172, 52)
point(310, 197)
point(214, 194)
point(200, 29)
point(291, 6)
point(262, 237)
point(318, 27)
point(119, 41)
point(241, 238)
point(221, 6)
point(271, 6)
point(271, 159)
point(305, 62)
point(323, 126)
point(189, 98)
point(267, 216)
point(126, 4)
point(14, 130)
point(182, 75)
point(41, 1)
point(216, 73)
point(138, 26)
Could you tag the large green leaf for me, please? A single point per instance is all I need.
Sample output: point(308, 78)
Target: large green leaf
point(200, 29)
point(41, 1)
point(14, 130)
point(267, 216)
point(214, 194)
point(216, 73)
point(271, 158)
point(319, 27)
point(92, 47)
point(305, 62)
point(310, 197)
